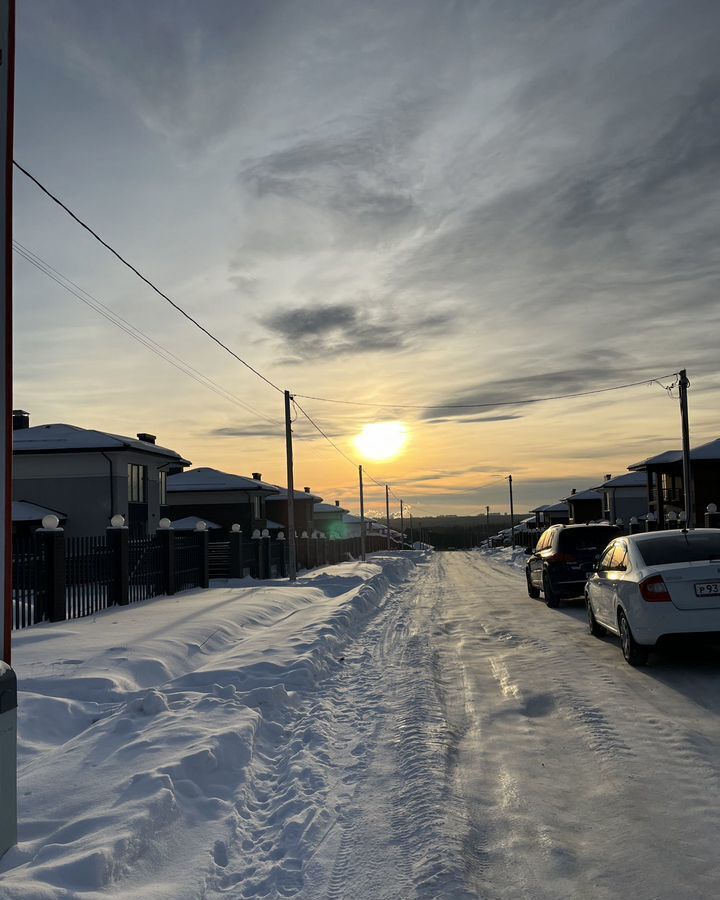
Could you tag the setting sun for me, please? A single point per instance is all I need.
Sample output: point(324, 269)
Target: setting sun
point(382, 440)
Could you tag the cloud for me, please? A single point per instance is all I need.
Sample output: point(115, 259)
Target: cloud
point(310, 332)
point(300, 433)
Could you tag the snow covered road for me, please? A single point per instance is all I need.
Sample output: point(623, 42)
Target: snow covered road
point(409, 728)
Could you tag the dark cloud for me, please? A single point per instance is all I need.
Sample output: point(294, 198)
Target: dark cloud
point(300, 433)
point(342, 328)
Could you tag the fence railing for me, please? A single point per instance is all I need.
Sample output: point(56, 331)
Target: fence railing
point(57, 577)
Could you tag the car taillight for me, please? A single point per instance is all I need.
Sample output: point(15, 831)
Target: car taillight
point(559, 557)
point(654, 590)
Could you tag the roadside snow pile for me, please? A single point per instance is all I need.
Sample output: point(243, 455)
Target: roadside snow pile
point(137, 728)
point(516, 558)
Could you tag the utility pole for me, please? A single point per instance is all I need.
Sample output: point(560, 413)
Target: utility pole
point(362, 515)
point(7, 87)
point(487, 521)
point(387, 513)
point(292, 567)
point(687, 477)
point(402, 525)
point(512, 514)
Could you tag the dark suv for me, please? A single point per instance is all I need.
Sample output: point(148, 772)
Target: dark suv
point(564, 558)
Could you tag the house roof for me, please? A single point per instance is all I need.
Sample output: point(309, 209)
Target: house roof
point(329, 507)
point(72, 439)
point(351, 519)
point(590, 494)
point(629, 479)
point(24, 511)
point(206, 479)
point(188, 523)
point(553, 507)
point(710, 450)
point(298, 495)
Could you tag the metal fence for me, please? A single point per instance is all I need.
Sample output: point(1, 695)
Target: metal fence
point(189, 562)
point(146, 572)
point(88, 575)
point(28, 583)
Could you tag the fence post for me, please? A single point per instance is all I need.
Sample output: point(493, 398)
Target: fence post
point(634, 527)
point(203, 539)
point(53, 541)
point(281, 556)
point(257, 538)
point(266, 553)
point(166, 536)
point(237, 569)
point(118, 541)
point(712, 516)
point(651, 522)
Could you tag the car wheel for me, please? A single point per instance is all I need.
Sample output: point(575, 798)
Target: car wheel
point(635, 654)
point(593, 627)
point(551, 598)
point(532, 590)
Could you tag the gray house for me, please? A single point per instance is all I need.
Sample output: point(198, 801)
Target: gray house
point(625, 496)
point(91, 475)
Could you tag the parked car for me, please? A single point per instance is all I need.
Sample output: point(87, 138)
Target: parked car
point(647, 587)
point(564, 558)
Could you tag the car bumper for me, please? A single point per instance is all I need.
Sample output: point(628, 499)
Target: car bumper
point(654, 621)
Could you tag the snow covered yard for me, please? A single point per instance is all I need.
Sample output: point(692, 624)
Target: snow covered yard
point(146, 734)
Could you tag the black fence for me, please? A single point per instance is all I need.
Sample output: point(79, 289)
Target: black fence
point(57, 578)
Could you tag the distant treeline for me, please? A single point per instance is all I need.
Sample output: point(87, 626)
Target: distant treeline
point(459, 532)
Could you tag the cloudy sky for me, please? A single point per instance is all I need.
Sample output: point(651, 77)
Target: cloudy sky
point(416, 202)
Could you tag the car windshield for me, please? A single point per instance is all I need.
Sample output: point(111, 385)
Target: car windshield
point(680, 548)
point(573, 539)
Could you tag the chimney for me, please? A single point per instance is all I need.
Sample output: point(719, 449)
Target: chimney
point(307, 490)
point(21, 419)
point(337, 503)
point(573, 491)
point(608, 477)
point(257, 476)
point(146, 438)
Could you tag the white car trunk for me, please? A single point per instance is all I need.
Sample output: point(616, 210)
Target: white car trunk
point(693, 585)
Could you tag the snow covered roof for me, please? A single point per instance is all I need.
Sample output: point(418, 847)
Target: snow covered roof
point(540, 508)
point(189, 523)
point(590, 494)
point(351, 519)
point(72, 439)
point(205, 479)
point(710, 450)
point(552, 507)
point(24, 511)
point(270, 524)
point(298, 495)
point(629, 479)
point(329, 507)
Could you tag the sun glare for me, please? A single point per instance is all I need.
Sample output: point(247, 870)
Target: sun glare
point(382, 440)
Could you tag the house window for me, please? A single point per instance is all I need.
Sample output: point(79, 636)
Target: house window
point(137, 477)
point(162, 484)
point(256, 507)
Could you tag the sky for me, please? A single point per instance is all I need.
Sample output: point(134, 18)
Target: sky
point(408, 203)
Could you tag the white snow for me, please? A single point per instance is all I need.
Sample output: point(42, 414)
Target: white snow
point(139, 728)
point(204, 478)
point(61, 437)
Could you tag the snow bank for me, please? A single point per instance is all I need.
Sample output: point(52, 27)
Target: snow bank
point(517, 558)
point(137, 727)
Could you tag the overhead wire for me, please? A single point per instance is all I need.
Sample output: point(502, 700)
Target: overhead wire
point(144, 278)
point(134, 332)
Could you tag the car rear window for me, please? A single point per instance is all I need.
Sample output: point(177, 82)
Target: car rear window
point(678, 548)
point(592, 538)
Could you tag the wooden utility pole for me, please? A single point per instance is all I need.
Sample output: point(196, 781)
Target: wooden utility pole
point(7, 92)
point(387, 513)
point(292, 564)
point(512, 513)
point(362, 515)
point(687, 476)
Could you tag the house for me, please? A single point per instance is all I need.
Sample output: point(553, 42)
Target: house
point(624, 497)
point(585, 506)
point(220, 497)
point(551, 514)
point(664, 480)
point(91, 475)
point(329, 518)
point(352, 525)
point(304, 505)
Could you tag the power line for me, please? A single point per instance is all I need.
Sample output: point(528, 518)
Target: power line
point(495, 403)
point(140, 275)
point(137, 334)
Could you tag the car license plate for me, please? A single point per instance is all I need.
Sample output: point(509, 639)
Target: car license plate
point(707, 589)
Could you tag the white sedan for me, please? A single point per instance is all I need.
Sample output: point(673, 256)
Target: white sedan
point(647, 586)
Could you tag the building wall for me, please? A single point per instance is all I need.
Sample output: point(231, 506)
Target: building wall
point(627, 502)
point(81, 485)
point(582, 511)
point(226, 508)
point(304, 521)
